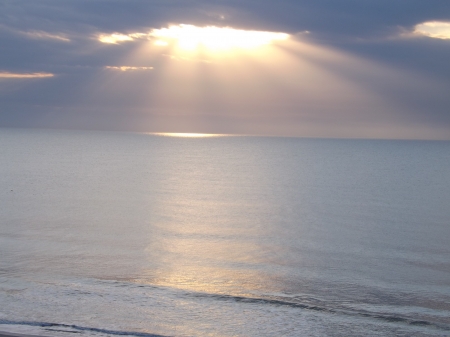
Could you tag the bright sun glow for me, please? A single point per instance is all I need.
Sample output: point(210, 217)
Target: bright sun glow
point(191, 37)
point(114, 38)
point(434, 29)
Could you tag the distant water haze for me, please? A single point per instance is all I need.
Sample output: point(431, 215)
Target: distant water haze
point(106, 233)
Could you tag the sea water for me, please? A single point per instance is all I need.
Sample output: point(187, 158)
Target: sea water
point(105, 234)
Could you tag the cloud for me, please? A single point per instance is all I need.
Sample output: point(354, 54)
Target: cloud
point(39, 34)
point(127, 68)
point(116, 38)
point(433, 29)
point(277, 89)
point(25, 75)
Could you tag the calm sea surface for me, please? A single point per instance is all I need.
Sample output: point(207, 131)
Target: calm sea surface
point(105, 234)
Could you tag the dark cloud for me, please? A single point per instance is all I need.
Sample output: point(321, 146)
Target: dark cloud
point(412, 90)
point(349, 18)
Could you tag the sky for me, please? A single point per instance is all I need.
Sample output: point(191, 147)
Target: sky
point(322, 68)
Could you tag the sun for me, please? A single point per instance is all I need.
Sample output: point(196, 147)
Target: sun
point(191, 37)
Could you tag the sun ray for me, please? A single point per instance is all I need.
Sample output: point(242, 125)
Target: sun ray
point(200, 85)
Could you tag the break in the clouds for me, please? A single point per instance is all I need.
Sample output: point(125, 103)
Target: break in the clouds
point(118, 37)
point(228, 66)
point(191, 36)
point(434, 29)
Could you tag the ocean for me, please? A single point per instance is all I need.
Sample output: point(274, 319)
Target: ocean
point(109, 233)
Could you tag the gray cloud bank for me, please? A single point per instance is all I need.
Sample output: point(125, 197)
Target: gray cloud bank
point(360, 72)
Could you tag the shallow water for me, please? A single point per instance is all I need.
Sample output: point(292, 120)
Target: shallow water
point(120, 233)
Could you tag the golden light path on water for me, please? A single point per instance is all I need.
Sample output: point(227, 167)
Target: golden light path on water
point(188, 134)
point(196, 241)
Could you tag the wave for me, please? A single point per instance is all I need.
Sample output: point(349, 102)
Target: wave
point(279, 300)
point(310, 304)
point(391, 318)
point(79, 328)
